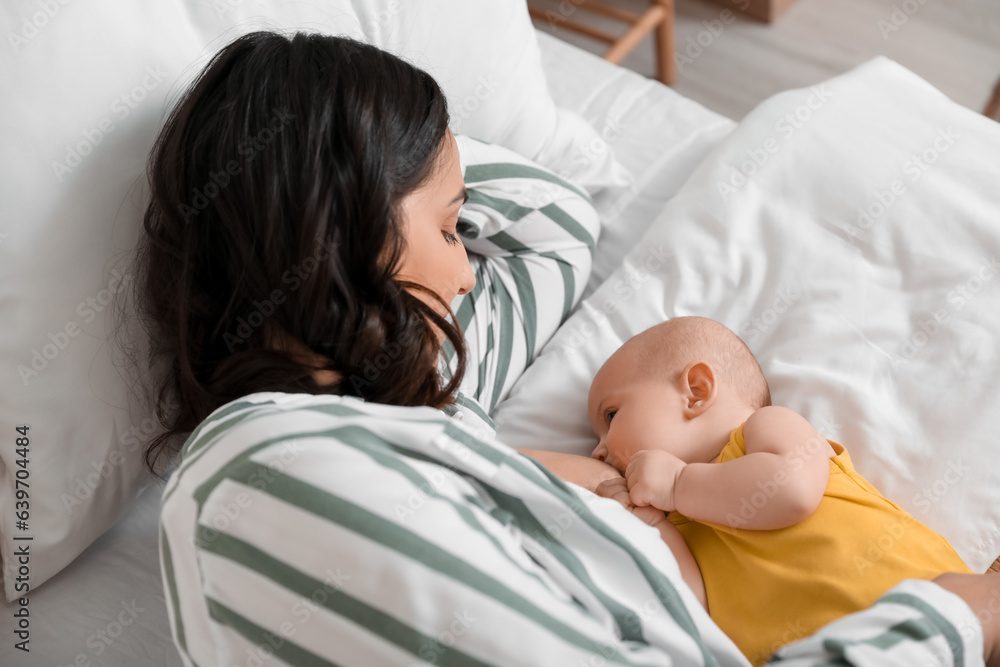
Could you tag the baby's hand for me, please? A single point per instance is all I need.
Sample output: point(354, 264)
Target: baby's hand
point(616, 489)
point(651, 476)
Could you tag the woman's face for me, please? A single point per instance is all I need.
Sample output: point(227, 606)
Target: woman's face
point(435, 256)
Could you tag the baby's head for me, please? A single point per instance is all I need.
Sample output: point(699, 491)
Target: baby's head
point(675, 386)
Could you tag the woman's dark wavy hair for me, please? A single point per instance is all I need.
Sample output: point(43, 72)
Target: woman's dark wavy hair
point(276, 188)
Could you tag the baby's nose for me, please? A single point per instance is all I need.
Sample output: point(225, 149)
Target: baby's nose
point(600, 453)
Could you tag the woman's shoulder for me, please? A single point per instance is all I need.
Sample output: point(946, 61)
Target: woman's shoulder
point(271, 428)
point(304, 447)
point(276, 426)
point(280, 413)
point(278, 407)
point(485, 164)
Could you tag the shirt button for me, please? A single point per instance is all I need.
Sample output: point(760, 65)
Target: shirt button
point(458, 415)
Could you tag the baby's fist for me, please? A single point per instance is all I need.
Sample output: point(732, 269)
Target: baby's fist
point(651, 476)
point(616, 489)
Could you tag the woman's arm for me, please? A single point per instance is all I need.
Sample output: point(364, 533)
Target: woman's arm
point(369, 535)
point(530, 236)
point(950, 634)
point(362, 537)
point(685, 560)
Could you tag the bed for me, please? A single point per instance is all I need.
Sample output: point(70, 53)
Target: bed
point(73, 611)
point(870, 321)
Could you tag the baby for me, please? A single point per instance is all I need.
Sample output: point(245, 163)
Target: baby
point(786, 534)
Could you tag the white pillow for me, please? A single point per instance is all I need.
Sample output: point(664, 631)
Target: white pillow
point(89, 87)
point(850, 233)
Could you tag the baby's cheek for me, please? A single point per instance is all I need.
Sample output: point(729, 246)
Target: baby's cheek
point(622, 446)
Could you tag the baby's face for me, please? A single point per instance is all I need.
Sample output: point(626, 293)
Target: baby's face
point(629, 414)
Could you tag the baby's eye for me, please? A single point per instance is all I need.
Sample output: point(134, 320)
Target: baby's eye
point(609, 415)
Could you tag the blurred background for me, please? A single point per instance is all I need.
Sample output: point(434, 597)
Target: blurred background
point(729, 60)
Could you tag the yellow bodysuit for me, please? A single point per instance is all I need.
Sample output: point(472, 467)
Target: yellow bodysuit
point(768, 588)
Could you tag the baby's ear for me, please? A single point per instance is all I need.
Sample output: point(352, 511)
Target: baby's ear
point(700, 388)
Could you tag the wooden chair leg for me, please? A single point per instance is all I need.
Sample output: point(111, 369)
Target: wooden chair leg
point(993, 111)
point(643, 25)
point(666, 64)
point(659, 17)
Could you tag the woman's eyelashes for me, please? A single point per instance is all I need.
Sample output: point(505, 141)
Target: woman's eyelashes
point(450, 238)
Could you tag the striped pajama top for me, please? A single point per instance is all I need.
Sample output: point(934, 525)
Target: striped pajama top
point(326, 530)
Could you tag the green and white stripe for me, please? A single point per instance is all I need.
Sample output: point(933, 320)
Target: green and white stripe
point(326, 530)
point(531, 238)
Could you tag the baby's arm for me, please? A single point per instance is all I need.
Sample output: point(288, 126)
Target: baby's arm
point(582, 470)
point(786, 466)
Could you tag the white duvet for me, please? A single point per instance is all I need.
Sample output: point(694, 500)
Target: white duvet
point(850, 233)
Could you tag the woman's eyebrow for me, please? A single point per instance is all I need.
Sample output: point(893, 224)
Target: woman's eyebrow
point(462, 196)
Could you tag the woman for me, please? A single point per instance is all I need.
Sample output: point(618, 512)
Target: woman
point(335, 354)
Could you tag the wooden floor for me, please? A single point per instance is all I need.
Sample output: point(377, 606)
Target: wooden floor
point(953, 44)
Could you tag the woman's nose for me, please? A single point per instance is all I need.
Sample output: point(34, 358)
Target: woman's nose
point(467, 282)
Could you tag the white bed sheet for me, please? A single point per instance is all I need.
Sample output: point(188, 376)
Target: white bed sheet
point(107, 608)
point(849, 232)
point(658, 135)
